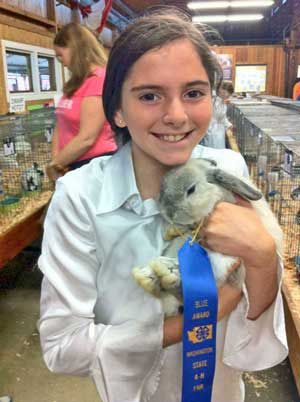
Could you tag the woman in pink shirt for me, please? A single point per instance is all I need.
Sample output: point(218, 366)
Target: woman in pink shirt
point(81, 132)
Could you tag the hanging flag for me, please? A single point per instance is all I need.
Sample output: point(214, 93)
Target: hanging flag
point(107, 8)
point(95, 14)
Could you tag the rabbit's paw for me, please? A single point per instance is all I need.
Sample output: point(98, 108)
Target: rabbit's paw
point(147, 279)
point(167, 271)
point(170, 304)
point(222, 267)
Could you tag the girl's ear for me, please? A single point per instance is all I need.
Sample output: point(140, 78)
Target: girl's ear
point(118, 118)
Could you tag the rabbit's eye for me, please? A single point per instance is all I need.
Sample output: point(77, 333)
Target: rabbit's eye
point(191, 190)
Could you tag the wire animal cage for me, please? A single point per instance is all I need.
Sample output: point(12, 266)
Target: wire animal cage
point(289, 212)
point(269, 139)
point(25, 150)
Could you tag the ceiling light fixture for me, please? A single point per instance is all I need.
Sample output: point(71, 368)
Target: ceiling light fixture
point(209, 18)
point(205, 5)
point(251, 3)
point(245, 17)
point(196, 5)
point(223, 18)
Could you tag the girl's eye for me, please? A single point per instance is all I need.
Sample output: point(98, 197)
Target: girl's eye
point(194, 94)
point(149, 97)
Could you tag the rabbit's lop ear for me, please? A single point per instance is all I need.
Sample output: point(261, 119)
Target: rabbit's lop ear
point(233, 184)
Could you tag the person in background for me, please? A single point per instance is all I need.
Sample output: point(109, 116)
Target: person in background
point(296, 89)
point(215, 136)
point(104, 220)
point(81, 132)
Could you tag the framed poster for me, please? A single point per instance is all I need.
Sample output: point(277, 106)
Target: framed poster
point(250, 78)
point(226, 63)
point(298, 72)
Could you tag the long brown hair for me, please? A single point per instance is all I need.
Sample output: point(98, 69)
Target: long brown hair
point(85, 50)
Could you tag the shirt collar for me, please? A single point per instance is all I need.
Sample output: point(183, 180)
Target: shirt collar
point(118, 184)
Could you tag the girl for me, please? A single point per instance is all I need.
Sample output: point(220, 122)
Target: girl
point(215, 136)
point(104, 220)
point(82, 131)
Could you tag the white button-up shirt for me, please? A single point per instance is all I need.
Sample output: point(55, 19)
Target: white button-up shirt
point(96, 321)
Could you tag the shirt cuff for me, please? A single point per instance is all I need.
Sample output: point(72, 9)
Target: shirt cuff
point(256, 344)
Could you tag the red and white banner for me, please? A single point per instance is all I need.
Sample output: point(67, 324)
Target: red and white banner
point(96, 17)
point(94, 13)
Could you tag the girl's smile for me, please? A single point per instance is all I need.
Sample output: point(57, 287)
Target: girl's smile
point(172, 137)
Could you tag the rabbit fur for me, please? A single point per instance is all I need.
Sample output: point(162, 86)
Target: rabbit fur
point(188, 195)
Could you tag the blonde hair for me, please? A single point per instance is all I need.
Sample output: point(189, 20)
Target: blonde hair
point(85, 51)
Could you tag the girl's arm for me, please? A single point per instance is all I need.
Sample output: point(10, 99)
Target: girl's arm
point(92, 119)
point(73, 340)
point(228, 298)
point(55, 143)
point(236, 229)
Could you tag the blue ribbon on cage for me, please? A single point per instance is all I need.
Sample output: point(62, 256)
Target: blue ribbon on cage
point(200, 299)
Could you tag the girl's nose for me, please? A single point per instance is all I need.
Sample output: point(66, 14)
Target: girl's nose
point(175, 113)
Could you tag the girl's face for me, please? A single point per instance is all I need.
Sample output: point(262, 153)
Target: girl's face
point(63, 54)
point(224, 94)
point(166, 104)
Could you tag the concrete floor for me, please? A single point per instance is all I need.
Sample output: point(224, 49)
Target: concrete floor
point(24, 376)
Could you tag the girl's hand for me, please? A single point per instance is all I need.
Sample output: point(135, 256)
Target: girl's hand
point(173, 327)
point(229, 298)
point(236, 229)
point(54, 171)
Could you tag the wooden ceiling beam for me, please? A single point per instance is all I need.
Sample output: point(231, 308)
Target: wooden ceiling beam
point(51, 10)
point(24, 25)
point(26, 15)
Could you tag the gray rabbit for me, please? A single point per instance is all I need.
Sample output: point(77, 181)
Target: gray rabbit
point(188, 195)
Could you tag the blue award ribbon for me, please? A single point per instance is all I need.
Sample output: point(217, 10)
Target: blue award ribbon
point(200, 299)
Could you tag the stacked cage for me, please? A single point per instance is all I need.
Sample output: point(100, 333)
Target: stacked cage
point(25, 150)
point(289, 214)
point(269, 139)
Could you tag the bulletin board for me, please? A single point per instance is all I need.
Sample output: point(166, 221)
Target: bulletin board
point(250, 78)
point(225, 61)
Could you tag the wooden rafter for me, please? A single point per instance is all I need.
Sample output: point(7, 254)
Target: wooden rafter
point(51, 10)
point(26, 15)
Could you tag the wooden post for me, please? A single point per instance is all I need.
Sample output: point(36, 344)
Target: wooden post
point(51, 10)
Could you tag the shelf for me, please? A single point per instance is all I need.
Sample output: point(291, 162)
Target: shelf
point(21, 234)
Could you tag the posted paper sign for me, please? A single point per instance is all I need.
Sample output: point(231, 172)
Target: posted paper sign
point(225, 61)
point(250, 78)
point(17, 104)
